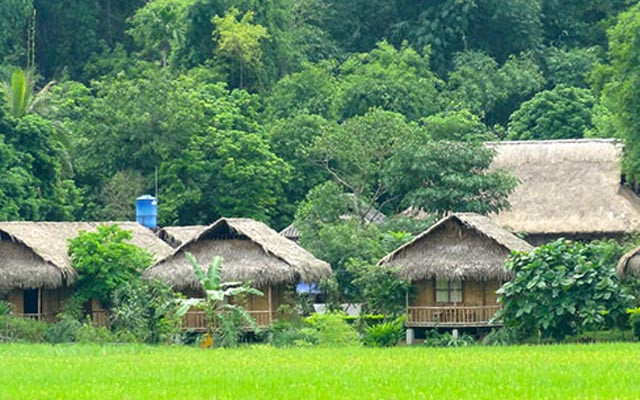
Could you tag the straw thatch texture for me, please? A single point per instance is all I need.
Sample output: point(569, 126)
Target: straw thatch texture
point(291, 232)
point(629, 264)
point(566, 187)
point(252, 252)
point(460, 246)
point(177, 235)
point(34, 254)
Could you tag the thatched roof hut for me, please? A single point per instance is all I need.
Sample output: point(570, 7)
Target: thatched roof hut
point(34, 254)
point(177, 235)
point(252, 252)
point(629, 264)
point(567, 187)
point(460, 246)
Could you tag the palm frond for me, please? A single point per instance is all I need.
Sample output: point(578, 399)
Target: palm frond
point(196, 269)
point(215, 271)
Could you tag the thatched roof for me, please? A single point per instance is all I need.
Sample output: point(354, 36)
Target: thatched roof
point(34, 254)
point(177, 235)
point(460, 246)
point(252, 252)
point(629, 264)
point(291, 232)
point(566, 187)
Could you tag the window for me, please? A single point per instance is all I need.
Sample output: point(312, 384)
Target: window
point(448, 291)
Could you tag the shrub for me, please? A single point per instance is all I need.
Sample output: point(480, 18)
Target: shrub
point(635, 321)
point(104, 261)
point(14, 329)
point(64, 331)
point(606, 336)
point(562, 288)
point(446, 339)
point(5, 308)
point(90, 334)
point(331, 329)
point(379, 288)
point(146, 311)
point(387, 334)
point(286, 334)
point(501, 337)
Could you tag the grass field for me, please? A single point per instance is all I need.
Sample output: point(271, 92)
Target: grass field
point(609, 371)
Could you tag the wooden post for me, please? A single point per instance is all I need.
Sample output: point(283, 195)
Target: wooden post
point(270, 308)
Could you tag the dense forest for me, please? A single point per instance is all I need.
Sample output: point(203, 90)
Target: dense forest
point(269, 108)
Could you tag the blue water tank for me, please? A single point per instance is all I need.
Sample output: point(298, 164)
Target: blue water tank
point(147, 211)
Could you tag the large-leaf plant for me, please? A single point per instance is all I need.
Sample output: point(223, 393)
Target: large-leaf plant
point(216, 305)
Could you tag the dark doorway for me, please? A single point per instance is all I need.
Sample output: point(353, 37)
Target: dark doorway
point(31, 300)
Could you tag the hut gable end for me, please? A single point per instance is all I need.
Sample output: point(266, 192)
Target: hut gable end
point(461, 246)
point(252, 252)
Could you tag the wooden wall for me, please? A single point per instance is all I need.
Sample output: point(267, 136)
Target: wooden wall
point(474, 293)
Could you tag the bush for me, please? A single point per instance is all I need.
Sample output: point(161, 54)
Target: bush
point(387, 334)
point(563, 288)
point(14, 329)
point(5, 308)
point(90, 334)
point(501, 337)
point(331, 329)
point(64, 331)
point(605, 336)
point(446, 339)
point(634, 320)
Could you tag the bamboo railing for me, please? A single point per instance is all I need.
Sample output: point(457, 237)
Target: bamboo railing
point(451, 316)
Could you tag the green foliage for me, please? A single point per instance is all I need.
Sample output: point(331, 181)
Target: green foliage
point(232, 319)
point(386, 334)
point(5, 308)
point(618, 83)
point(502, 337)
point(90, 334)
point(239, 41)
point(330, 330)
point(105, 261)
point(445, 176)
point(379, 288)
point(64, 331)
point(158, 27)
point(561, 113)
point(562, 288)
point(14, 329)
point(397, 80)
point(145, 310)
point(634, 320)
point(460, 126)
point(446, 339)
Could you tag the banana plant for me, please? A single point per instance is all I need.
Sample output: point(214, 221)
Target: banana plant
point(216, 303)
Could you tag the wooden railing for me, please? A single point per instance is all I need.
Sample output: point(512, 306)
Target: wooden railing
point(194, 320)
point(100, 318)
point(449, 316)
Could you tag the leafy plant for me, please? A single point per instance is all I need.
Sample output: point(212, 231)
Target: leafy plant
point(216, 307)
point(14, 329)
point(105, 260)
point(64, 331)
point(562, 288)
point(330, 329)
point(90, 334)
point(5, 308)
point(446, 339)
point(501, 337)
point(635, 321)
point(386, 334)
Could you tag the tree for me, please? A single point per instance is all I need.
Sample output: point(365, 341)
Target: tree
point(460, 126)
point(105, 261)
point(158, 27)
point(20, 95)
point(442, 176)
point(618, 83)
point(562, 288)
point(398, 80)
point(561, 113)
point(216, 304)
point(239, 40)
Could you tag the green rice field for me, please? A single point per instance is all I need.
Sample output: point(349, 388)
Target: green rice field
point(603, 371)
